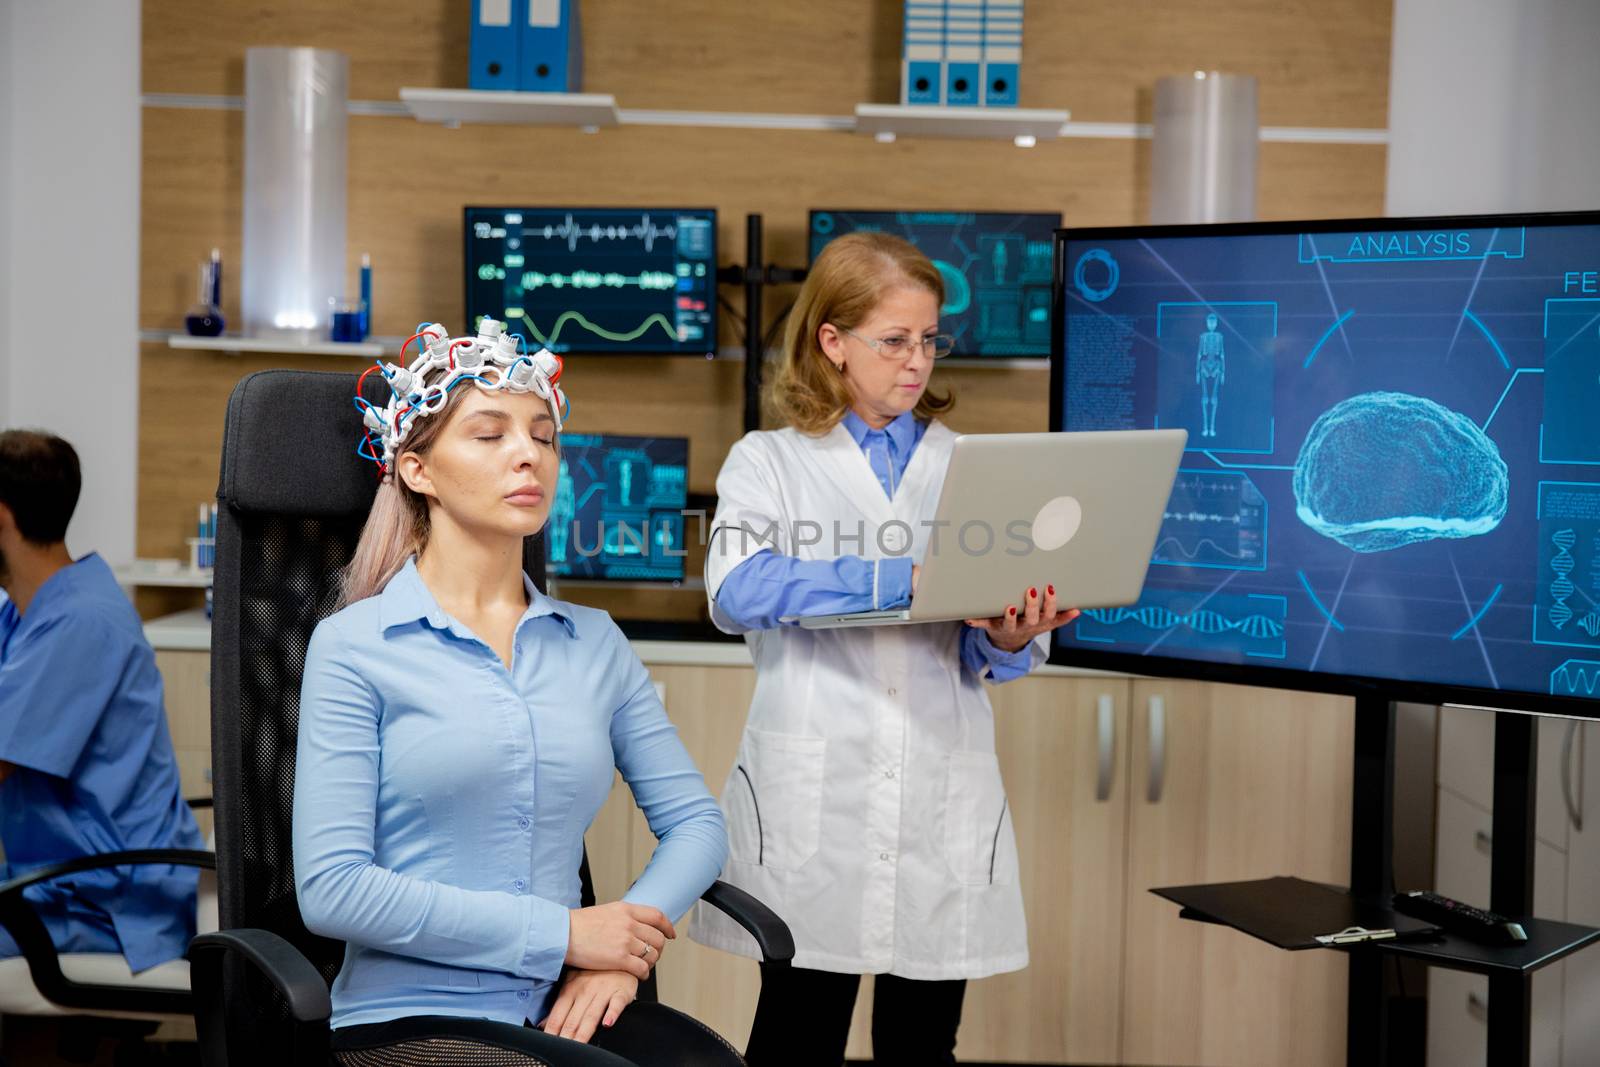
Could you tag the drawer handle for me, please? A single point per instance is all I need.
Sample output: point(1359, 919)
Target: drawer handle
point(1106, 733)
point(1157, 711)
point(1476, 1008)
point(1483, 840)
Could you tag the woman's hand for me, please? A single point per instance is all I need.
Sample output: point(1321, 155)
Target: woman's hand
point(618, 937)
point(1012, 631)
point(589, 999)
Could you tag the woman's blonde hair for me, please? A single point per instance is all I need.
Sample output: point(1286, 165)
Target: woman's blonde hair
point(843, 287)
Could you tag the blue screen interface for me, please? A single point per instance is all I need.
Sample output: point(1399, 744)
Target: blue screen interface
point(592, 280)
point(618, 511)
point(1393, 465)
point(996, 270)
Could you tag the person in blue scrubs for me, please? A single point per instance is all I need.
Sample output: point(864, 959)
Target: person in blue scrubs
point(459, 730)
point(86, 762)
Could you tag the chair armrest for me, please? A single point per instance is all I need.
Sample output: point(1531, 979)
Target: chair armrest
point(44, 965)
point(196, 803)
point(771, 933)
point(290, 973)
point(282, 965)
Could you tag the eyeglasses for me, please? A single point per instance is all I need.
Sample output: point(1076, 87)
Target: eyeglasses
point(899, 349)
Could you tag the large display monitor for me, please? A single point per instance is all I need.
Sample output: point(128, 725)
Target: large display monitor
point(618, 511)
point(1392, 482)
point(996, 270)
point(640, 280)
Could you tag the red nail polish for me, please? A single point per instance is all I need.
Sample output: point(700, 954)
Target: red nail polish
point(1050, 589)
point(1033, 594)
point(1011, 611)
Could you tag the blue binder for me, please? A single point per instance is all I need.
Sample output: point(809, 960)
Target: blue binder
point(492, 47)
point(552, 47)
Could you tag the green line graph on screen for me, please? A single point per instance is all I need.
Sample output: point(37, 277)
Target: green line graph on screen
point(554, 336)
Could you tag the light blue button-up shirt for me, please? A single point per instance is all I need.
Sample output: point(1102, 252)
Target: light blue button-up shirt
point(441, 800)
point(768, 587)
point(83, 719)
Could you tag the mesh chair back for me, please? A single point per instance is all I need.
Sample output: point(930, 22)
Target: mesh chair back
point(292, 501)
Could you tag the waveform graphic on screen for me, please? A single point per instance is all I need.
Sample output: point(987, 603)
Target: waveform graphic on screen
point(1576, 677)
point(570, 231)
point(553, 339)
point(588, 279)
point(1393, 466)
point(596, 280)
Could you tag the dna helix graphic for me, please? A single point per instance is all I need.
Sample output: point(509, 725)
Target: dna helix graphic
point(1560, 612)
point(1202, 620)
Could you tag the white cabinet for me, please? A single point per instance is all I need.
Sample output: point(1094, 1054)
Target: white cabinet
point(1566, 995)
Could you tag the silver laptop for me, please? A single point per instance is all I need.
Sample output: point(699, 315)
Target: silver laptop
point(1079, 511)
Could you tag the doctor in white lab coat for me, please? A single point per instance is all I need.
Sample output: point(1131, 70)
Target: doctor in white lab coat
point(866, 805)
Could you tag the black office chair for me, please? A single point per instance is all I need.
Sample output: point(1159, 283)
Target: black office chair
point(292, 501)
point(105, 1000)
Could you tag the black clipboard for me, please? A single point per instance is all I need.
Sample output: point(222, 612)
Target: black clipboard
point(1292, 913)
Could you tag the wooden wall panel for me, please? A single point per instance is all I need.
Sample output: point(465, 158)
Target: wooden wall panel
point(1320, 63)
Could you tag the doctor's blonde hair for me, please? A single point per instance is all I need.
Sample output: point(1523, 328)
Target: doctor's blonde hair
point(843, 287)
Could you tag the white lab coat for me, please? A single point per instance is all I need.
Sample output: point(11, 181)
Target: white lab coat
point(865, 806)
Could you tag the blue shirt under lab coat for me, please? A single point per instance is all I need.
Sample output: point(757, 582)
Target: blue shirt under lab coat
point(83, 719)
point(768, 586)
point(441, 800)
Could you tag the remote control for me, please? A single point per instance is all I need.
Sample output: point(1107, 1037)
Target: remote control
point(1458, 918)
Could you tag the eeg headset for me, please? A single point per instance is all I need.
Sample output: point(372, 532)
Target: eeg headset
point(492, 360)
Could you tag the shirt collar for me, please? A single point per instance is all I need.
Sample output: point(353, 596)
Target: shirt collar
point(902, 432)
point(407, 599)
point(89, 571)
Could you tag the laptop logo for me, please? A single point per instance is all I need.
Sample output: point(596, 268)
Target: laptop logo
point(1057, 523)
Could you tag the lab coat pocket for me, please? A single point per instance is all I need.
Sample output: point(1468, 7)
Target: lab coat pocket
point(775, 799)
point(978, 844)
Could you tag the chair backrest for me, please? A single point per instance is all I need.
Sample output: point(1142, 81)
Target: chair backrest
point(292, 501)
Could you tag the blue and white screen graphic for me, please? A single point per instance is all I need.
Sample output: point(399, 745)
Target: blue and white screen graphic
point(618, 511)
point(1393, 468)
point(596, 280)
point(996, 270)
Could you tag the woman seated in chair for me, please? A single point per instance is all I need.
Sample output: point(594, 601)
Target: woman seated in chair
point(458, 731)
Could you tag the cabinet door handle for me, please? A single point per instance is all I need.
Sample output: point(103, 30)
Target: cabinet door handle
point(1482, 839)
point(1105, 713)
point(1156, 710)
point(1476, 1008)
point(1572, 797)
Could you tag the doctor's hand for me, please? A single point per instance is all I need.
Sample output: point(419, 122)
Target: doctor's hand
point(589, 999)
point(1012, 631)
point(618, 937)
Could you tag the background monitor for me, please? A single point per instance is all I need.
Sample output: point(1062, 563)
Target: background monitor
point(618, 511)
point(996, 270)
point(594, 279)
point(1392, 481)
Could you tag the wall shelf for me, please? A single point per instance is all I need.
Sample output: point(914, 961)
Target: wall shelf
point(455, 106)
point(185, 631)
point(171, 573)
point(235, 343)
point(1024, 126)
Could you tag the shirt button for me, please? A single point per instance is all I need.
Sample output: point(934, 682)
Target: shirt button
point(889, 775)
point(518, 884)
point(893, 692)
point(883, 856)
point(523, 994)
point(522, 823)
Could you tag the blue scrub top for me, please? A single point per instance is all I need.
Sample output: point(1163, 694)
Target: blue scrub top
point(83, 720)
